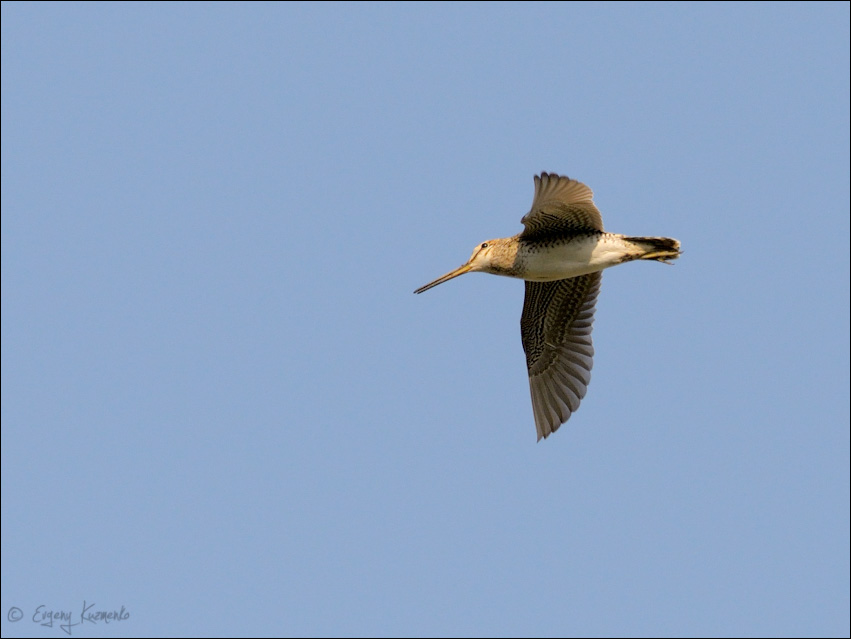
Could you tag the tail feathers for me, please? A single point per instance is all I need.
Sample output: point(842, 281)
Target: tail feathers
point(661, 249)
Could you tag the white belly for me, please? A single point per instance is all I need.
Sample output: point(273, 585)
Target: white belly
point(578, 257)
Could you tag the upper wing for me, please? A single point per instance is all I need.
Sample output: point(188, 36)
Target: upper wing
point(556, 331)
point(561, 204)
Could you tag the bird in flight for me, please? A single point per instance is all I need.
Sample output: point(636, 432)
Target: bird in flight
point(560, 254)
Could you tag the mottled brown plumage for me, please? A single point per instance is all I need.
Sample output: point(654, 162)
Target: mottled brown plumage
point(560, 253)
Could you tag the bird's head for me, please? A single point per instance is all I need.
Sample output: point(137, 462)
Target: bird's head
point(492, 256)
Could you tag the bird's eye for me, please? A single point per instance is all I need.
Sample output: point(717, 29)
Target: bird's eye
point(484, 244)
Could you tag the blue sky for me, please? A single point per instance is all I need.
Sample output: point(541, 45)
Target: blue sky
point(224, 409)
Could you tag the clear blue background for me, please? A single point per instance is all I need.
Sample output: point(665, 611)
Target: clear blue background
point(224, 409)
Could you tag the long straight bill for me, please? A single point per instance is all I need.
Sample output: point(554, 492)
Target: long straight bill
point(445, 278)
